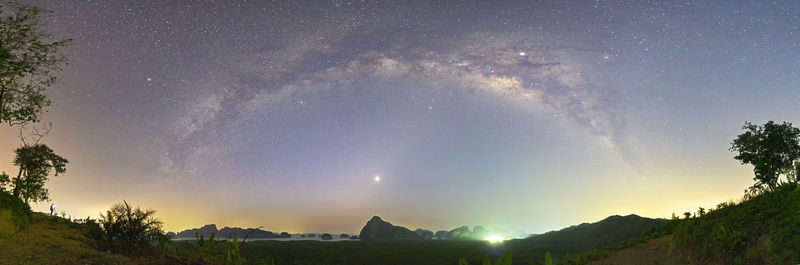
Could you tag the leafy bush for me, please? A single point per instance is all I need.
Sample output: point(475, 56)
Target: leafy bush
point(232, 256)
point(130, 230)
point(19, 211)
point(714, 238)
point(205, 247)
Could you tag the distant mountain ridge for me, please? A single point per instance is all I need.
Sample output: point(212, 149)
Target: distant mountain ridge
point(378, 229)
point(606, 233)
point(230, 232)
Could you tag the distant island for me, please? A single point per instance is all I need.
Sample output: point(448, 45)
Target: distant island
point(378, 229)
point(230, 232)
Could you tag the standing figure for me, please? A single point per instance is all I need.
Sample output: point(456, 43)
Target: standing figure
point(52, 208)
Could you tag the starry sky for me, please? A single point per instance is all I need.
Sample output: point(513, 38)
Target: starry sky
point(515, 115)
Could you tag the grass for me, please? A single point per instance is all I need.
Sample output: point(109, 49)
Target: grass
point(763, 229)
point(52, 240)
point(759, 229)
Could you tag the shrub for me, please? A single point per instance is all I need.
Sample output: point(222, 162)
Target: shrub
point(232, 256)
point(19, 211)
point(130, 230)
point(205, 247)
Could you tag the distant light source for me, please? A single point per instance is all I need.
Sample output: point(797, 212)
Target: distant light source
point(495, 239)
point(377, 178)
point(522, 54)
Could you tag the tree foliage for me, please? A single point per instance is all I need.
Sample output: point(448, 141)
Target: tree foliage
point(4, 180)
point(129, 229)
point(35, 163)
point(28, 62)
point(773, 149)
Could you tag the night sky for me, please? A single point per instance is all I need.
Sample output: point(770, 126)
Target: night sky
point(531, 115)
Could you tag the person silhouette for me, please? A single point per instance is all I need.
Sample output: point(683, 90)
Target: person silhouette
point(52, 208)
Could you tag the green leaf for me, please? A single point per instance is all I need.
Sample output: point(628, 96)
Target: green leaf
point(548, 260)
point(486, 260)
point(505, 259)
point(462, 261)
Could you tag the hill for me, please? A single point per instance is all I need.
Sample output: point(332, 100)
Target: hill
point(35, 238)
point(53, 240)
point(606, 233)
point(378, 229)
point(204, 231)
point(762, 229)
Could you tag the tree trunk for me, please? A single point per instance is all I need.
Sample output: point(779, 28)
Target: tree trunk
point(2, 107)
point(17, 183)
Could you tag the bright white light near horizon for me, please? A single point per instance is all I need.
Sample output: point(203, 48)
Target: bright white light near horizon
point(494, 239)
point(377, 178)
point(522, 54)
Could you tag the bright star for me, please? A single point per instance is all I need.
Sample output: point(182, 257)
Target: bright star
point(377, 178)
point(149, 79)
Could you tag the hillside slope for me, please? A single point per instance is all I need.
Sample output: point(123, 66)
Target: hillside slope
point(764, 229)
point(607, 233)
point(655, 251)
point(35, 238)
point(52, 240)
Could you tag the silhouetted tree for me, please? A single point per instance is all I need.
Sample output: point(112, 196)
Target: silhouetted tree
point(35, 161)
point(28, 62)
point(773, 150)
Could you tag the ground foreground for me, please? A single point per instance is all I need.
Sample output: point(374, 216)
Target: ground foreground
point(655, 251)
point(761, 228)
point(51, 240)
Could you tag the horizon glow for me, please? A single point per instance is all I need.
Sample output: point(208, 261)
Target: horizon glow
point(495, 239)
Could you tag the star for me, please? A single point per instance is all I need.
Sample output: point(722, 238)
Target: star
point(377, 178)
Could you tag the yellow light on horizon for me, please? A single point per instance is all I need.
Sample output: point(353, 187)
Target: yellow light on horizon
point(495, 239)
